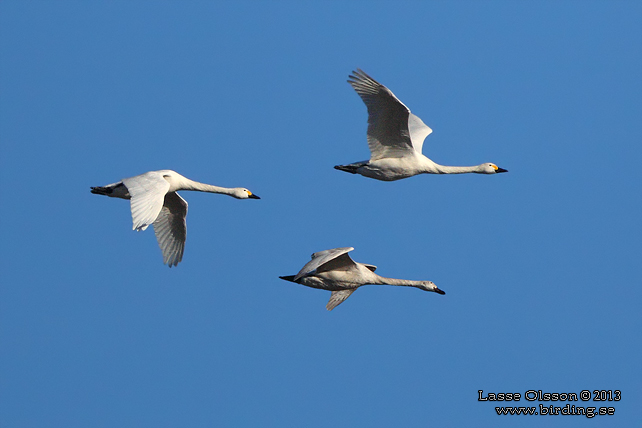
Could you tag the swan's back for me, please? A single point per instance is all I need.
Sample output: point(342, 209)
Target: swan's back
point(319, 259)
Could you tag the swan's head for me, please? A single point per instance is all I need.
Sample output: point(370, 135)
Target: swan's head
point(243, 193)
point(491, 168)
point(430, 286)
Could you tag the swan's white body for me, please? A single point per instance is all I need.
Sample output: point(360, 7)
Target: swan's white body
point(396, 138)
point(335, 271)
point(154, 201)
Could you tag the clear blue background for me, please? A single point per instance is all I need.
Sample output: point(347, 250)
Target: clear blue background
point(541, 266)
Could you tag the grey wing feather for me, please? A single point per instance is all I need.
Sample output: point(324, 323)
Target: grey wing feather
point(341, 262)
point(170, 228)
point(338, 297)
point(147, 197)
point(418, 132)
point(320, 258)
point(388, 133)
point(371, 267)
point(332, 252)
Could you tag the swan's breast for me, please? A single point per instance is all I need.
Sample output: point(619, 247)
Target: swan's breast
point(391, 169)
point(342, 279)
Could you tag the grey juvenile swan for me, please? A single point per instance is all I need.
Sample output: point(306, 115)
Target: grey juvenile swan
point(335, 271)
point(396, 137)
point(154, 201)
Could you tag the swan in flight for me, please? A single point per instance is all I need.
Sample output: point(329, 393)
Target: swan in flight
point(154, 201)
point(335, 271)
point(396, 137)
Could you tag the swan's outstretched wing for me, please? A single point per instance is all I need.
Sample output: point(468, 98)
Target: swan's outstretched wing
point(147, 197)
point(338, 297)
point(170, 228)
point(418, 132)
point(371, 267)
point(320, 260)
point(388, 119)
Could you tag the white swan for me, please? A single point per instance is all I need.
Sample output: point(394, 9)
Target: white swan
point(335, 271)
point(396, 137)
point(154, 201)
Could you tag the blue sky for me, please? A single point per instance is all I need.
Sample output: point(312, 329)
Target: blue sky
point(541, 266)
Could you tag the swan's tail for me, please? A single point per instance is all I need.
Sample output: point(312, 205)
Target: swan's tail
point(102, 190)
point(116, 190)
point(351, 168)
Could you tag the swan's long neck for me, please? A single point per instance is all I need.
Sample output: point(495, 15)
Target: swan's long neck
point(188, 184)
point(394, 281)
point(443, 169)
point(431, 167)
